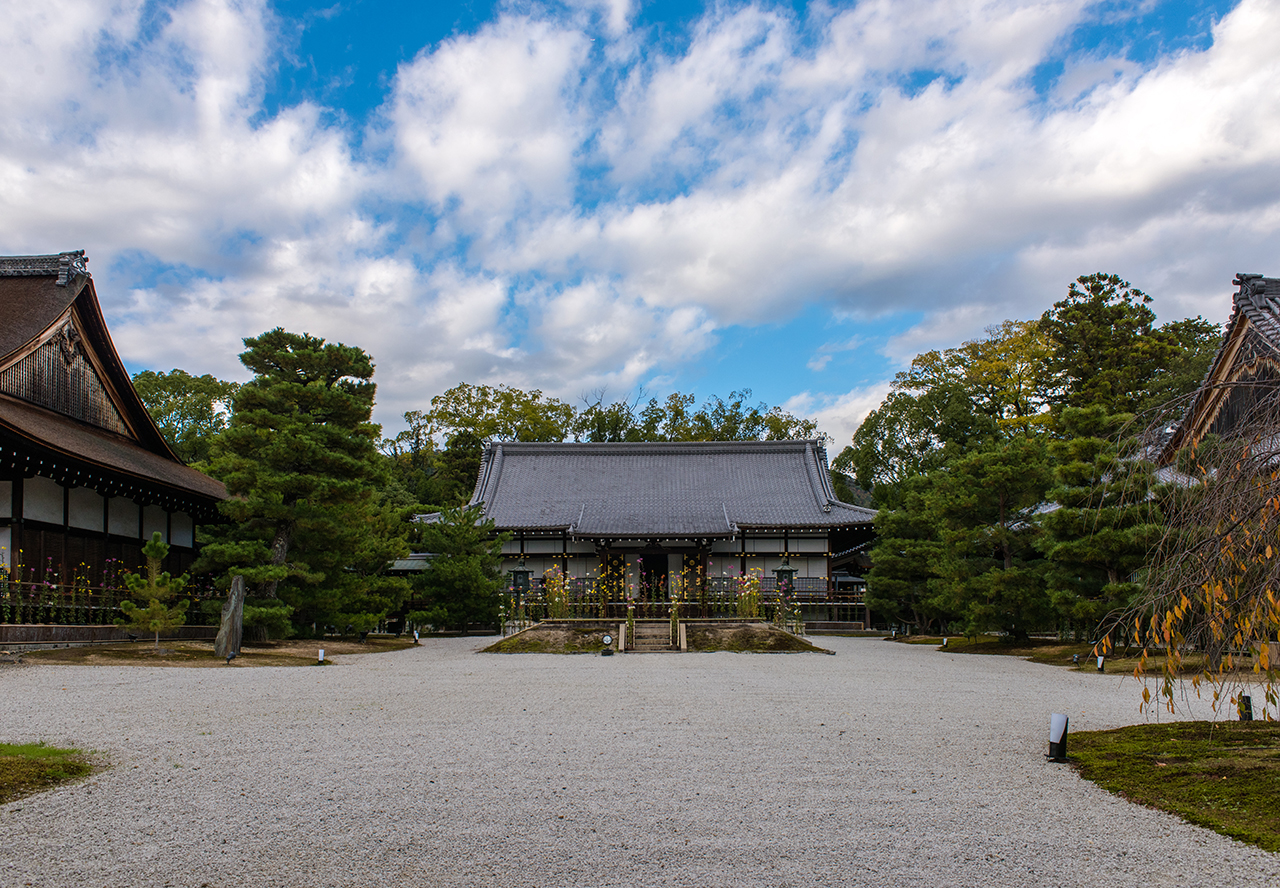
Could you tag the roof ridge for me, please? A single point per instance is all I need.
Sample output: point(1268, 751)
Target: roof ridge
point(65, 265)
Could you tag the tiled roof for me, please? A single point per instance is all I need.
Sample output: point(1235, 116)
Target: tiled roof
point(1258, 299)
point(1250, 337)
point(40, 296)
point(661, 489)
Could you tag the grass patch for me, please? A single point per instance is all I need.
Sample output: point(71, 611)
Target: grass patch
point(291, 652)
point(756, 638)
point(1224, 776)
point(27, 768)
point(557, 638)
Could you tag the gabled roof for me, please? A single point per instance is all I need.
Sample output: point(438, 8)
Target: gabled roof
point(661, 490)
point(65, 396)
point(1250, 344)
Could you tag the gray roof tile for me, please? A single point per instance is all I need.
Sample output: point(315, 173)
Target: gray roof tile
point(661, 489)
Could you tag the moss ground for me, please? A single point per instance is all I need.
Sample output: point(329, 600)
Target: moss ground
point(587, 638)
point(1223, 776)
point(759, 638)
point(1039, 650)
point(578, 638)
point(34, 767)
point(291, 652)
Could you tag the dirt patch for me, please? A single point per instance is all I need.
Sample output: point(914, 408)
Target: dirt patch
point(292, 652)
point(760, 638)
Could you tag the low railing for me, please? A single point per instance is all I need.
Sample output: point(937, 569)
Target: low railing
point(81, 605)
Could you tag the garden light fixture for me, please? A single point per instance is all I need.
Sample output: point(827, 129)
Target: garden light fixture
point(1057, 738)
point(1245, 708)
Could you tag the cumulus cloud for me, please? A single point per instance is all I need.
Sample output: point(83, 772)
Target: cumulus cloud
point(838, 416)
point(557, 200)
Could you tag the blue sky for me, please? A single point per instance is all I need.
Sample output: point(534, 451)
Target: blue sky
point(603, 194)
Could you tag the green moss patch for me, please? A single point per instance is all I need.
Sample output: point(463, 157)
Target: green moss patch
point(557, 638)
point(1038, 650)
point(29, 768)
point(291, 652)
point(751, 638)
point(1224, 776)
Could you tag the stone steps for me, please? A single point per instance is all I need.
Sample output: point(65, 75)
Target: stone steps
point(651, 638)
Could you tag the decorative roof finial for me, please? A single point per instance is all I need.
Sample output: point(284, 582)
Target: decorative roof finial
point(70, 264)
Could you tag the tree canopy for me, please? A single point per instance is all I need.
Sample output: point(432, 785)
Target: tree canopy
point(189, 410)
point(300, 461)
point(1010, 495)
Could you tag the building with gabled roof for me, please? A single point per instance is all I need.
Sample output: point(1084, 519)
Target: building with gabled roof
point(85, 475)
point(655, 517)
point(1245, 373)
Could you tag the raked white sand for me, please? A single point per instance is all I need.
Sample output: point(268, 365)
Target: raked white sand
point(884, 765)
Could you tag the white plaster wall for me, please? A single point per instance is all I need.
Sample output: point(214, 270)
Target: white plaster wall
point(724, 566)
point(42, 499)
point(6, 543)
point(769, 545)
point(122, 518)
point(6, 499)
point(584, 568)
point(84, 509)
point(718, 546)
point(807, 544)
point(541, 547)
point(184, 531)
point(155, 519)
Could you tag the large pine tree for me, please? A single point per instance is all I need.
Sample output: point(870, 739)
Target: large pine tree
point(300, 461)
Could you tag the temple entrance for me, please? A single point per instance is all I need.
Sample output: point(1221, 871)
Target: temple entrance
point(652, 576)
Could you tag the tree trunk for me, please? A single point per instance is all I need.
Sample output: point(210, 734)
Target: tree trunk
point(279, 552)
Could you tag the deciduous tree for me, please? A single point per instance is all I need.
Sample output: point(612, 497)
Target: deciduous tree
point(189, 410)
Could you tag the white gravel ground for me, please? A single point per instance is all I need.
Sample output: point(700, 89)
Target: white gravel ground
point(884, 765)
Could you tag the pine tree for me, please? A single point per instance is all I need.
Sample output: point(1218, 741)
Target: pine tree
point(985, 505)
point(300, 461)
point(463, 585)
point(151, 613)
point(1100, 534)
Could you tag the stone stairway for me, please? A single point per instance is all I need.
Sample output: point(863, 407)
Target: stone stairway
point(652, 637)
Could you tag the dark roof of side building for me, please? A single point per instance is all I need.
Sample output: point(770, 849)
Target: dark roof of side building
point(1250, 344)
point(661, 490)
point(90, 425)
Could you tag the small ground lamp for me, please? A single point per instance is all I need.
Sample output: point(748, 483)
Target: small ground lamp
point(321, 655)
point(1057, 737)
point(1245, 708)
point(1102, 663)
point(608, 646)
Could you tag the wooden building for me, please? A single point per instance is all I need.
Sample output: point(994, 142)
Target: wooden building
point(1245, 374)
point(85, 476)
point(649, 520)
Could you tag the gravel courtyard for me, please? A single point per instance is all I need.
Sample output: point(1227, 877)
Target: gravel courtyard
point(884, 765)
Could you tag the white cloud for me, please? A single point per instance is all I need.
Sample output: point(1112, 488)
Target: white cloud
point(838, 415)
point(559, 203)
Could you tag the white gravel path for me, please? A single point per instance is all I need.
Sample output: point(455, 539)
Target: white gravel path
point(885, 765)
